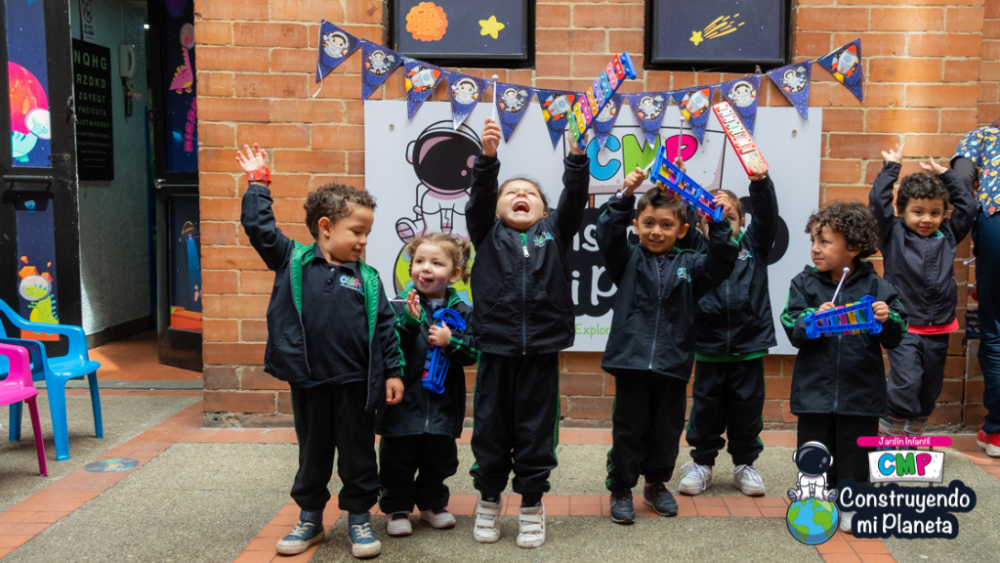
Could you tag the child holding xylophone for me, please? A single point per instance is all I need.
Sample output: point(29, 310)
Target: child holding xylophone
point(918, 250)
point(838, 384)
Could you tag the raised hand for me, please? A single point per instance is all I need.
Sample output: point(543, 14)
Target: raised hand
point(573, 147)
point(491, 137)
point(413, 304)
point(893, 155)
point(722, 200)
point(932, 166)
point(633, 181)
point(759, 171)
point(679, 163)
point(252, 160)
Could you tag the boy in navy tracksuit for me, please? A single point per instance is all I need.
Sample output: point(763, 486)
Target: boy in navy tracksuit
point(734, 329)
point(331, 336)
point(651, 345)
point(918, 250)
point(524, 316)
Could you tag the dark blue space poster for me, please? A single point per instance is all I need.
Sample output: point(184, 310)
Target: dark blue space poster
point(28, 76)
point(453, 29)
point(185, 265)
point(719, 31)
point(36, 262)
point(179, 80)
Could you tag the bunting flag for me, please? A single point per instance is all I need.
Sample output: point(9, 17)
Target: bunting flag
point(556, 106)
point(605, 120)
point(743, 95)
point(464, 93)
point(845, 65)
point(649, 108)
point(379, 63)
point(695, 103)
point(335, 46)
point(512, 103)
point(421, 80)
point(793, 81)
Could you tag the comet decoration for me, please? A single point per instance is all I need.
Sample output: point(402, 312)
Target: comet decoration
point(722, 25)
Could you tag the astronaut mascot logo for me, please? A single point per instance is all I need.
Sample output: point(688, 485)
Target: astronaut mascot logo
point(812, 516)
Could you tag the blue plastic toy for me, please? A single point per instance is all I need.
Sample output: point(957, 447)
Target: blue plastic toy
point(852, 318)
point(668, 176)
point(436, 366)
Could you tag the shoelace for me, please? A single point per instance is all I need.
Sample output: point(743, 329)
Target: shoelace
point(700, 471)
point(362, 531)
point(748, 470)
point(302, 528)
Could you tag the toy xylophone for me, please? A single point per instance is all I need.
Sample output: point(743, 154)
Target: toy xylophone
point(738, 136)
point(589, 106)
point(666, 175)
point(437, 363)
point(845, 319)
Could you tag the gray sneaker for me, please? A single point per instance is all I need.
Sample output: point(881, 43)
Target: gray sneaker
point(622, 509)
point(748, 481)
point(696, 479)
point(658, 497)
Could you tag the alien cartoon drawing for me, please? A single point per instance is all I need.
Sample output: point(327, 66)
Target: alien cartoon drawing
point(813, 461)
point(442, 159)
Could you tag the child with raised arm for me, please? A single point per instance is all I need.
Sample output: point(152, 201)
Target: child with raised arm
point(418, 434)
point(524, 316)
point(651, 345)
point(918, 251)
point(734, 329)
point(838, 383)
point(331, 336)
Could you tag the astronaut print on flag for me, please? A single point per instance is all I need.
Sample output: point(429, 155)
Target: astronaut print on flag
point(442, 158)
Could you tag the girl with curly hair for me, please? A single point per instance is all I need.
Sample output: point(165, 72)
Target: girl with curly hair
point(838, 384)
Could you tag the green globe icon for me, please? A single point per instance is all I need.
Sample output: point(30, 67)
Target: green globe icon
point(812, 521)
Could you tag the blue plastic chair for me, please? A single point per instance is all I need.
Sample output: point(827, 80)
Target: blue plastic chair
point(55, 372)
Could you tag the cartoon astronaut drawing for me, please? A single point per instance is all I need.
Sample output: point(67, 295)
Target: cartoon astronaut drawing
point(513, 100)
point(465, 91)
point(649, 108)
point(442, 159)
point(813, 461)
point(794, 80)
point(335, 44)
point(379, 62)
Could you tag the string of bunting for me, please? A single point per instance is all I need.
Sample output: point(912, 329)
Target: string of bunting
point(512, 100)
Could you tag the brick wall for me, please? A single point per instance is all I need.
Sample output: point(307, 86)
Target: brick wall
point(923, 65)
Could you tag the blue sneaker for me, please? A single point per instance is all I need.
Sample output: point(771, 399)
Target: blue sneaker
point(622, 509)
point(659, 498)
point(304, 534)
point(363, 539)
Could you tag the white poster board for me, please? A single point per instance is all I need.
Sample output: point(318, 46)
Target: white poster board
point(419, 172)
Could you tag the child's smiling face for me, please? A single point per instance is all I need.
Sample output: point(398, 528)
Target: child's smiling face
point(924, 215)
point(830, 252)
point(659, 228)
point(345, 240)
point(520, 205)
point(432, 270)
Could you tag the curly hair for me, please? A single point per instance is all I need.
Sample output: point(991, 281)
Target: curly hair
point(920, 186)
point(460, 251)
point(853, 220)
point(333, 201)
point(660, 199)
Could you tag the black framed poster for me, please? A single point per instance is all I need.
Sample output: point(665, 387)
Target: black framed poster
point(95, 144)
point(732, 35)
point(460, 32)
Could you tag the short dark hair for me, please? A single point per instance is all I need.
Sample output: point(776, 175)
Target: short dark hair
point(333, 201)
point(545, 200)
point(853, 220)
point(921, 186)
point(660, 199)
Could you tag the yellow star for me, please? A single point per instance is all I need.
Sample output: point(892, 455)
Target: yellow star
point(696, 38)
point(491, 27)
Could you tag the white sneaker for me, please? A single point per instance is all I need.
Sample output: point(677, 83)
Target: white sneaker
point(438, 520)
point(748, 481)
point(399, 524)
point(487, 529)
point(696, 478)
point(532, 531)
point(845, 522)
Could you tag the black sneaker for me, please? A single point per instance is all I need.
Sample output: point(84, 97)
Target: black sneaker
point(658, 497)
point(622, 511)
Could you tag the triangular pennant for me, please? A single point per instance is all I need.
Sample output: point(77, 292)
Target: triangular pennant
point(694, 104)
point(743, 94)
point(605, 121)
point(793, 81)
point(511, 101)
point(421, 80)
point(556, 106)
point(335, 45)
point(845, 65)
point(379, 63)
point(649, 108)
point(464, 92)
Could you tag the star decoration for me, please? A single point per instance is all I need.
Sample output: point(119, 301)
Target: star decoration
point(696, 38)
point(491, 27)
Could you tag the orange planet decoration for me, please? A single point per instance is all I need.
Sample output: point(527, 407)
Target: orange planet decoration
point(427, 22)
point(26, 94)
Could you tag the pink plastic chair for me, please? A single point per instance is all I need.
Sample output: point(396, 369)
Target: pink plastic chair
point(18, 387)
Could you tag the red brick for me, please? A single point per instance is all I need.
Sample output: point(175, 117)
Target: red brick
point(230, 258)
point(941, 95)
point(227, 109)
point(342, 137)
point(220, 377)
point(253, 331)
point(245, 10)
point(216, 185)
point(907, 19)
point(860, 146)
point(920, 146)
point(571, 41)
point(875, 44)
point(843, 119)
point(951, 392)
point(958, 120)
point(902, 121)
point(839, 171)
point(961, 70)
point(303, 111)
point(882, 69)
point(973, 415)
point(232, 353)
point(295, 60)
point(954, 367)
point(584, 362)
point(216, 135)
point(287, 210)
point(847, 193)
point(213, 33)
point(625, 40)
point(273, 135)
point(255, 378)
point(232, 58)
point(581, 383)
point(218, 282)
point(219, 209)
point(305, 10)
point(965, 19)
point(214, 84)
point(604, 17)
point(551, 15)
point(285, 402)
point(778, 387)
point(942, 45)
point(552, 65)
point(325, 162)
point(229, 401)
point(786, 412)
point(814, 44)
point(950, 413)
point(974, 390)
point(772, 410)
point(220, 331)
point(355, 162)
point(831, 19)
point(269, 34)
point(589, 407)
point(257, 282)
point(270, 86)
point(364, 11)
point(235, 306)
